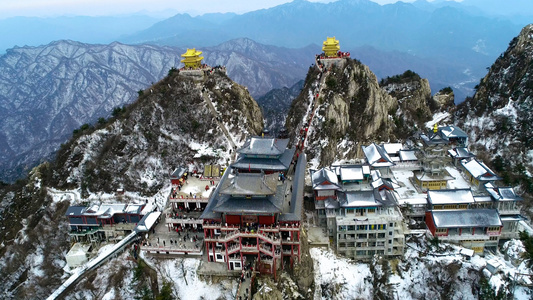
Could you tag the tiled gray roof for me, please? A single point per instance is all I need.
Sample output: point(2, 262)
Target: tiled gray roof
point(268, 164)
point(264, 146)
point(466, 218)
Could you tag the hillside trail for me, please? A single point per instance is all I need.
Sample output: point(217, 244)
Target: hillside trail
point(216, 117)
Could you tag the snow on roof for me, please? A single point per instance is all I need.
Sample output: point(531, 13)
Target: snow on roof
point(413, 201)
point(408, 155)
point(482, 199)
point(376, 156)
point(450, 196)
point(148, 221)
point(466, 218)
point(79, 249)
point(324, 175)
point(105, 210)
point(366, 170)
point(452, 131)
point(479, 170)
point(250, 184)
point(264, 146)
point(460, 152)
point(358, 199)
point(502, 193)
point(467, 252)
point(178, 172)
point(351, 173)
point(392, 148)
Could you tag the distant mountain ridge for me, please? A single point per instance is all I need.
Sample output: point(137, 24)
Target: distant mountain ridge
point(46, 92)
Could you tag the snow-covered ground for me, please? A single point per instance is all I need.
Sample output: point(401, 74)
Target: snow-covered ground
point(417, 273)
point(339, 278)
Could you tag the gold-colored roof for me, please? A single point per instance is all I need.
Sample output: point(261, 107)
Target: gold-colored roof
point(191, 53)
point(331, 41)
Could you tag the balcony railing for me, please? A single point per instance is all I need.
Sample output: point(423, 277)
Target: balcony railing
point(183, 221)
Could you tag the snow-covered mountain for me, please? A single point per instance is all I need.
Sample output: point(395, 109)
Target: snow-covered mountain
point(499, 116)
point(172, 123)
point(46, 92)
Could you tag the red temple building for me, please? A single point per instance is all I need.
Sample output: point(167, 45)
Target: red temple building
point(253, 217)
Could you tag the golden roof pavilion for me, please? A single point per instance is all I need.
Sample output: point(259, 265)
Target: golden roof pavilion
point(192, 58)
point(331, 47)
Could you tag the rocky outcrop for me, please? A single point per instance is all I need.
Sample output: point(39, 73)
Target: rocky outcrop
point(171, 123)
point(499, 116)
point(352, 110)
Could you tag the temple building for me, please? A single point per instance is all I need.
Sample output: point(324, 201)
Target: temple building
point(265, 154)
point(359, 211)
point(253, 217)
point(331, 47)
point(192, 59)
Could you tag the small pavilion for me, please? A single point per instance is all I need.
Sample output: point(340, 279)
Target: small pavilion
point(331, 47)
point(192, 58)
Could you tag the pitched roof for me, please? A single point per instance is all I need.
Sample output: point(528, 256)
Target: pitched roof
point(376, 156)
point(502, 193)
point(479, 170)
point(466, 218)
point(325, 179)
point(178, 172)
point(280, 163)
point(408, 155)
point(452, 196)
point(357, 199)
point(460, 153)
point(351, 173)
point(452, 131)
point(247, 184)
point(264, 146)
point(392, 148)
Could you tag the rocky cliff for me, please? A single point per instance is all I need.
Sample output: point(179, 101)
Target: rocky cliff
point(499, 116)
point(352, 110)
point(171, 122)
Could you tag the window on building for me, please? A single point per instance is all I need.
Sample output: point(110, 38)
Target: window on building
point(342, 227)
point(371, 210)
point(380, 243)
point(351, 227)
point(390, 233)
point(390, 241)
point(371, 235)
point(360, 252)
point(381, 252)
point(361, 227)
point(391, 224)
point(493, 238)
point(381, 235)
point(372, 244)
point(463, 206)
point(441, 230)
point(494, 228)
point(359, 212)
point(362, 236)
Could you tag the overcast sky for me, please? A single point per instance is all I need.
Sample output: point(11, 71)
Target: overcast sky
point(11, 8)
